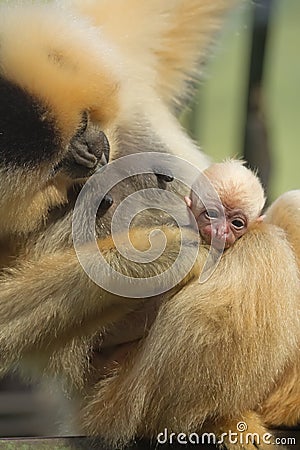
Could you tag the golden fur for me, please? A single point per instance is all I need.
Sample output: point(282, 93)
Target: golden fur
point(24, 205)
point(50, 51)
point(158, 64)
point(217, 352)
point(221, 338)
point(283, 405)
point(285, 212)
point(58, 50)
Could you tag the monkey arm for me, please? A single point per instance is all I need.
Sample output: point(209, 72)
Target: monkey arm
point(41, 302)
point(230, 338)
point(46, 302)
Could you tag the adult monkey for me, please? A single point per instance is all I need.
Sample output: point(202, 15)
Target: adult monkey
point(55, 315)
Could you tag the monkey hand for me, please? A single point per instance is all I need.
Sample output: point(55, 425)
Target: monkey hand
point(88, 150)
point(163, 176)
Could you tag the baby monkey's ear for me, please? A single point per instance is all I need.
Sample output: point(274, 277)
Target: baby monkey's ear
point(261, 218)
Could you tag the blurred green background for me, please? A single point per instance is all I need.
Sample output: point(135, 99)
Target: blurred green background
point(217, 118)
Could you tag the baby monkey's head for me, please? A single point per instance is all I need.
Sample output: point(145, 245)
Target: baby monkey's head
point(241, 201)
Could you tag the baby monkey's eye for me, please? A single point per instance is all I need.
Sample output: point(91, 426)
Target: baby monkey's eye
point(238, 224)
point(211, 214)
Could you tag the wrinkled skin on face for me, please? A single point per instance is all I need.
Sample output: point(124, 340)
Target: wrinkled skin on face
point(227, 226)
point(223, 224)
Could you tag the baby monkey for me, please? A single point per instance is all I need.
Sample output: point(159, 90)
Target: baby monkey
point(241, 202)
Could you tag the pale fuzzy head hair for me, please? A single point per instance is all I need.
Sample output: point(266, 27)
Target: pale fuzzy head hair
point(237, 186)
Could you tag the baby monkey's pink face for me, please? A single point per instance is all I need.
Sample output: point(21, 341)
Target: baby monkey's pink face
point(222, 223)
point(225, 226)
point(225, 202)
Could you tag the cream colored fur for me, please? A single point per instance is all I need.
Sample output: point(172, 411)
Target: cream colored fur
point(285, 213)
point(134, 75)
point(151, 37)
point(211, 351)
point(218, 351)
point(50, 52)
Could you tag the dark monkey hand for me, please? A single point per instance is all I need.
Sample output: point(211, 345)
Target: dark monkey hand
point(88, 150)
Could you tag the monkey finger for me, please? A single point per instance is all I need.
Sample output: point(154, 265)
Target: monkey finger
point(105, 146)
point(163, 175)
point(83, 157)
point(106, 203)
